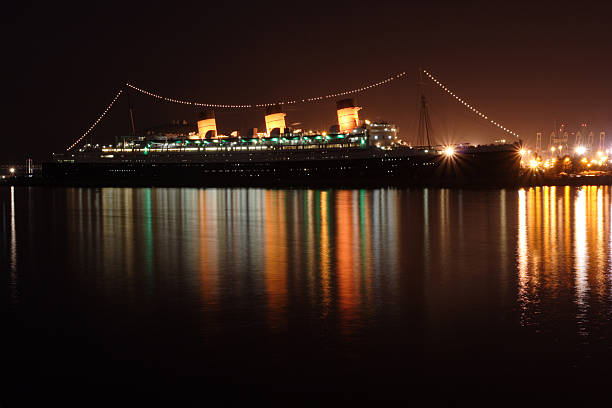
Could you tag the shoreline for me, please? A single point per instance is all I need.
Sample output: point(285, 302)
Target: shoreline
point(532, 180)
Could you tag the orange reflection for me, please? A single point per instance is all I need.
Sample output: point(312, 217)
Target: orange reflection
point(276, 260)
point(567, 228)
point(324, 251)
point(534, 232)
point(345, 252)
point(208, 246)
point(599, 251)
point(562, 251)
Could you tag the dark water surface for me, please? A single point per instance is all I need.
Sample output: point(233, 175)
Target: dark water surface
point(243, 293)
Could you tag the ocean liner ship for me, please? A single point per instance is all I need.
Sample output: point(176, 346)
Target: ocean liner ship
point(351, 153)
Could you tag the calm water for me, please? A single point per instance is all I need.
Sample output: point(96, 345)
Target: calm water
point(308, 290)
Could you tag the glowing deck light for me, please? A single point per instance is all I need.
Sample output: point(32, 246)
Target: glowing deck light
point(552, 149)
point(449, 151)
point(522, 152)
point(12, 170)
point(580, 150)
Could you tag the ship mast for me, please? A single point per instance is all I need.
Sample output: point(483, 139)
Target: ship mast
point(425, 129)
point(131, 110)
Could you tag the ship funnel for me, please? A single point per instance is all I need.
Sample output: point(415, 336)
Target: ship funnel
point(207, 126)
point(348, 116)
point(275, 120)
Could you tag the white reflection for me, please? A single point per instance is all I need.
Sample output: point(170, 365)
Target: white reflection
point(522, 254)
point(503, 226)
point(610, 250)
point(600, 235)
point(13, 247)
point(581, 255)
point(445, 234)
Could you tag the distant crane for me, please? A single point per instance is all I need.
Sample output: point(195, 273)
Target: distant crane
point(591, 140)
point(578, 140)
point(558, 141)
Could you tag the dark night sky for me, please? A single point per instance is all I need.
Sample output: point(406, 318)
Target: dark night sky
point(524, 64)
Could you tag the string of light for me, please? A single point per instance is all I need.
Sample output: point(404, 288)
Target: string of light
point(335, 95)
point(258, 105)
point(96, 122)
point(467, 105)
point(173, 100)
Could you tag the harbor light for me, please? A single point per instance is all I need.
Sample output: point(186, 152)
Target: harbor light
point(12, 170)
point(552, 149)
point(449, 151)
point(580, 150)
point(522, 152)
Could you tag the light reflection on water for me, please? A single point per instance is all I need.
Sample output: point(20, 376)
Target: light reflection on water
point(435, 265)
point(581, 255)
point(563, 257)
point(334, 250)
point(13, 247)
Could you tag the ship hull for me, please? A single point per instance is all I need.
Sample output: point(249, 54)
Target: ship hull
point(490, 168)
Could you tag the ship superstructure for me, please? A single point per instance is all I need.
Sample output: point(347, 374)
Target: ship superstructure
point(351, 136)
point(352, 152)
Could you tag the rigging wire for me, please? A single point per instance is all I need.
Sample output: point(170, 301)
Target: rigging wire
point(96, 121)
point(288, 102)
point(258, 105)
point(467, 105)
